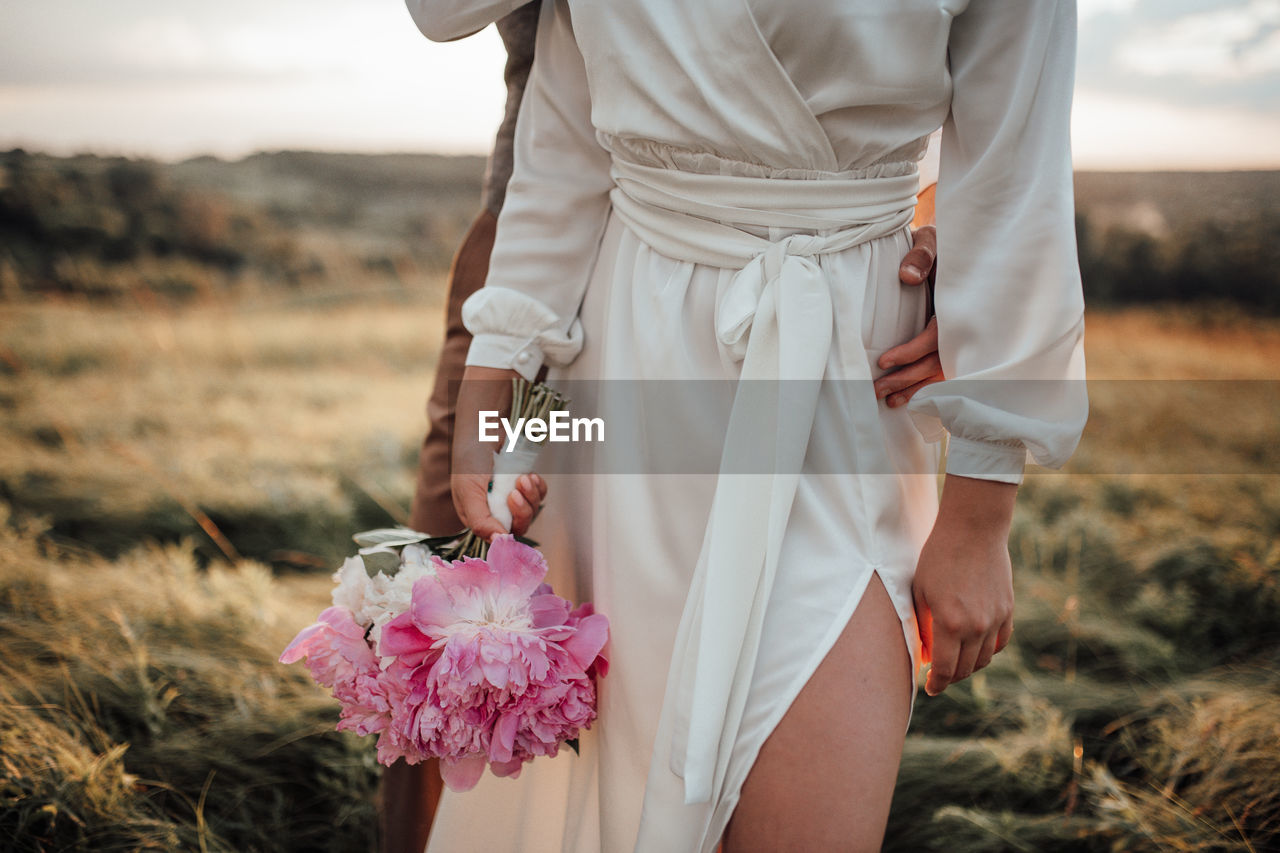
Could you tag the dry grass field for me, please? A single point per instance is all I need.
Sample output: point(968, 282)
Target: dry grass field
point(174, 481)
point(212, 372)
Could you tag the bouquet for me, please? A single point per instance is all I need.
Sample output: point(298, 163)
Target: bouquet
point(453, 648)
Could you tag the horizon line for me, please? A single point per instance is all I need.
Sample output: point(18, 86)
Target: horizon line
point(107, 153)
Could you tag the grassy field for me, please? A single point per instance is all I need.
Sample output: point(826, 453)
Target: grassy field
point(173, 484)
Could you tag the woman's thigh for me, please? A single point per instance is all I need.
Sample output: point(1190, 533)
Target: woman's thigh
point(824, 778)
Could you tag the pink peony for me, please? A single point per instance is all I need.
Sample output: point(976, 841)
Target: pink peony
point(340, 658)
point(489, 665)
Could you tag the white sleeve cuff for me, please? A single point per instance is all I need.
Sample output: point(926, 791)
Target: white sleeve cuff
point(516, 331)
point(986, 460)
point(507, 352)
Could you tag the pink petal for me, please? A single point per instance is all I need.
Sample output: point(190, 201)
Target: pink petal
point(432, 606)
point(332, 620)
point(509, 769)
point(517, 564)
point(389, 752)
point(343, 621)
point(401, 638)
point(303, 643)
point(466, 578)
point(585, 644)
point(462, 774)
point(504, 739)
point(582, 611)
point(495, 672)
point(548, 610)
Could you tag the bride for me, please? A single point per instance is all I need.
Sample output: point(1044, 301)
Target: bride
point(720, 191)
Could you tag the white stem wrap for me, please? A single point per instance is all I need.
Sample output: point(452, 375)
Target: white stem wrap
point(507, 468)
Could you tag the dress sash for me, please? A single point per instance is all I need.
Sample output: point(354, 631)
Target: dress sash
point(775, 317)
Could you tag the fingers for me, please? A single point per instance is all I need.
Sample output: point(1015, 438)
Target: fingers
point(898, 387)
point(924, 627)
point(958, 649)
point(958, 656)
point(987, 652)
point(918, 263)
point(921, 346)
point(904, 396)
point(946, 658)
point(471, 500)
point(941, 646)
point(524, 501)
point(967, 660)
point(975, 653)
point(540, 487)
point(1003, 635)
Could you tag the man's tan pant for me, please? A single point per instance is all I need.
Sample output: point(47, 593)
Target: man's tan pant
point(410, 793)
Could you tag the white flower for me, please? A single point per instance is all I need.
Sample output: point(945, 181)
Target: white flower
point(352, 588)
point(375, 601)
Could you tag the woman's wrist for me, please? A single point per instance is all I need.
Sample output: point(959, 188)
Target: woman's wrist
point(977, 504)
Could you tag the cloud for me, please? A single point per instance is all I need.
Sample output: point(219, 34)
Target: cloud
point(164, 43)
point(1191, 53)
point(1119, 132)
point(178, 78)
point(138, 41)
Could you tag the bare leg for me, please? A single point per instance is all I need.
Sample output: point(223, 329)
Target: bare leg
point(825, 777)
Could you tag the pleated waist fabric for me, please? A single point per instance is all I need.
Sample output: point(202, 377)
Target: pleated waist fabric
point(776, 317)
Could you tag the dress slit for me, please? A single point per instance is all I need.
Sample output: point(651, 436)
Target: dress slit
point(644, 541)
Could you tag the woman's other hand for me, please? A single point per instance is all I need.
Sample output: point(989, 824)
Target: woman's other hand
point(963, 587)
point(487, 389)
point(913, 364)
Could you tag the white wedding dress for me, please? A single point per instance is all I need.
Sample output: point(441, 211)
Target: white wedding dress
point(717, 190)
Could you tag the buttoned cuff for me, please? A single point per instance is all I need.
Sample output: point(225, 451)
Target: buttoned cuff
point(507, 352)
point(514, 330)
point(986, 460)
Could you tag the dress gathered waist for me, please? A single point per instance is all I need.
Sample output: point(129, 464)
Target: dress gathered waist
point(776, 317)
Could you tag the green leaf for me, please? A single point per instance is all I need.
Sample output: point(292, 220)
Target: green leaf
point(391, 536)
point(572, 743)
point(433, 543)
point(380, 558)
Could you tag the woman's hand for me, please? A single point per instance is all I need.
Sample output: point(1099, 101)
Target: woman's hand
point(963, 587)
point(486, 389)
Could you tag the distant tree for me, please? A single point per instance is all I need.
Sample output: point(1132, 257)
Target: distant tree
point(133, 184)
point(1204, 261)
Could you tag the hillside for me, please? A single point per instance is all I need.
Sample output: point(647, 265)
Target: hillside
point(1163, 202)
point(342, 223)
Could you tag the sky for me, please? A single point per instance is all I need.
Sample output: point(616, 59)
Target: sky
point(1161, 84)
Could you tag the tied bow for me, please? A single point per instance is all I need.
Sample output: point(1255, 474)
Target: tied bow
point(806, 302)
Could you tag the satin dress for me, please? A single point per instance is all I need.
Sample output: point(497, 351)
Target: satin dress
point(720, 191)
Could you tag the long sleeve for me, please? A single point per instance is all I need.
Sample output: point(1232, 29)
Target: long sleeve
point(1008, 295)
point(446, 20)
point(553, 219)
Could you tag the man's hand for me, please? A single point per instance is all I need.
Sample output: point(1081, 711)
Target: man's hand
point(915, 363)
point(486, 389)
point(963, 587)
